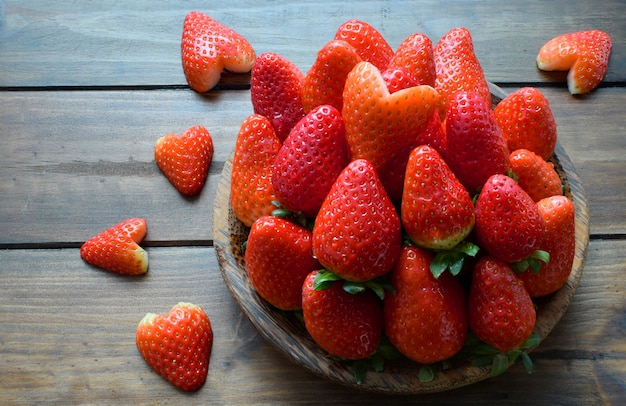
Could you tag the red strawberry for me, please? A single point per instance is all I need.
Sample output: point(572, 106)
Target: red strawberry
point(276, 92)
point(398, 79)
point(560, 242)
point(508, 223)
point(585, 54)
point(251, 190)
point(537, 177)
point(311, 158)
point(436, 211)
point(415, 53)
point(526, 121)
point(324, 82)
point(116, 249)
point(379, 125)
point(208, 47)
point(346, 325)
point(434, 134)
point(458, 68)
point(177, 345)
point(501, 312)
point(476, 149)
point(367, 41)
point(185, 160)
point(426, 318)
point(279, 256)
point(357, 230)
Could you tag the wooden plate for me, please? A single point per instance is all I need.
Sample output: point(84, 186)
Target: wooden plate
point(288, 334)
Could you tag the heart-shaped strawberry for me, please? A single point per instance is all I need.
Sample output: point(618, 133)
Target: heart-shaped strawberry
point(185, 159)
point(208, 47)
point(177, 345)
point(324, 82)
point(379, 124)
point(585, 54)
point(116, 249)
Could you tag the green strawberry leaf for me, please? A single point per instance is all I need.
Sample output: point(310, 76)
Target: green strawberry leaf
point(452, 259)
point(534, 261)
point(426, 374)
point(298, 218)
point(324, 279)
point(499, 365)
point(528, 363)
point(531, 342)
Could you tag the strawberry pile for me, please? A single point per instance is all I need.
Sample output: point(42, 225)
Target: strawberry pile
point(394, 207)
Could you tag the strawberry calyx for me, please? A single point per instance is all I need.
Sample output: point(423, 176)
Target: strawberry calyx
point(452, 259)
point(295, 217)
point(534, 262)
point(487, 355)
point(375, 362)
point(325, 278)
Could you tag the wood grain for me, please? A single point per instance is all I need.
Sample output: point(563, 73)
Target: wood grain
point(73, 163)
point(67, 337)
point(45, 43)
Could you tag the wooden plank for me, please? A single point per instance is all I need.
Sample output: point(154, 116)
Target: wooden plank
point(67, 336)
point(74, 163)
point(45, 43)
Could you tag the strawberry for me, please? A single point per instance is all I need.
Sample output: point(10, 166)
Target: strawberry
point(558, 215)
point(585, 54)
point(310, 159)
point(426, 318)
point(526, 121)
point(476, 149)
point(367, 41)
point(279, 256)
point(324, 82)
point(357, 230)
point(415, 53)
point(116, 249)
point(251, 190)
point(379, 124)
point(208, 47)
point(537, 177)
point(458, 68)
point(434, 134)
point(501, 312)
point(177, 345)
point(508, 223)
point(276, 92)
point(398, 79)
point(436, 211)
point(185, 160)
point(346, 325)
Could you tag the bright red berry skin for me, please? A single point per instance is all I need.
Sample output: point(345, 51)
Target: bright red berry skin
point(415, 54)
point(357, 230)
point(476, 149)
point(116, 249)
point(310, 159)
point(436, 210)
point(346, 325)
point(276, 92)
point(537, 177)
point(367, 41)
point(584, 53)
point(426, 319)
point(208, 47)
point(558, 213)
point(177, 345)
point(526, 121)
point(508, 223)
point(279, 255)
point(185, 160)
point(501, 312)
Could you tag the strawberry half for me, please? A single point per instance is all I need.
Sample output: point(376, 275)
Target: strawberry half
point(177, 345)
point(585, 54)
point(208, 47)
point(185, 159)
point(116, 249)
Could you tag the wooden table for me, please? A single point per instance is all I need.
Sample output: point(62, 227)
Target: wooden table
point(88, 87)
